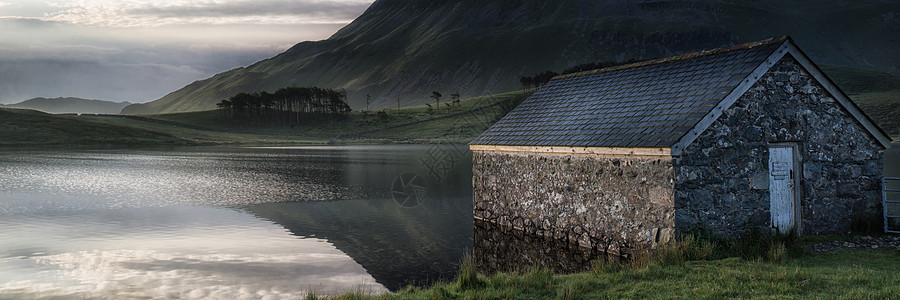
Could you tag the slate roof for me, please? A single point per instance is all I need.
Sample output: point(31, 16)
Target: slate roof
point(646, 104)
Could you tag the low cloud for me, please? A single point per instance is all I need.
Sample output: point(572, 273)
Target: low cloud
point(146, 13)
point(138, 51)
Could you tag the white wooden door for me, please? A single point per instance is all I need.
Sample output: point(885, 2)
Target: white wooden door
point(781, 188)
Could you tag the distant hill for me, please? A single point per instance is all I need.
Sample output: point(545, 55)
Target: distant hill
point(408, 48)
point(876, 93)
point(29, 128)
point(71, 105)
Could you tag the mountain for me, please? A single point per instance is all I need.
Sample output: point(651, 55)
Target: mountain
point(71, 105)
point(409, 48)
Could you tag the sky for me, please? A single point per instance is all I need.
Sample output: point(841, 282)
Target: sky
point(140, 50)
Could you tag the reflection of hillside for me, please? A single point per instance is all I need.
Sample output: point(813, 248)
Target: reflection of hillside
point(398, 246)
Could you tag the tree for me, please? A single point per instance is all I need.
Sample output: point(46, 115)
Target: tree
point(225, 105)
point(526, 82)
point(437, 99)
point(288, 106)
point(455, 98)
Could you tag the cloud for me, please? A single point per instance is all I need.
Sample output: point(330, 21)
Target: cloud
point(144, 13)
point(140, 50)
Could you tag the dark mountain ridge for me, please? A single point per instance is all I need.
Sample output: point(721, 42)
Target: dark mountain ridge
point(407, 48)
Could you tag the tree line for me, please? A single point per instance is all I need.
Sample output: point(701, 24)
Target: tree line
point(287, 106)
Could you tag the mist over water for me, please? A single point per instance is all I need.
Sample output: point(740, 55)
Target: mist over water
point(225, 223)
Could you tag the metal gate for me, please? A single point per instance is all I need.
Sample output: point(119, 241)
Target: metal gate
point(890, 191)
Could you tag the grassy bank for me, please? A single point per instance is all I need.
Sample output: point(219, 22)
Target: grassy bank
point(28, 128)
point(876, 93)
point(413, 124)
point(201, 136)
point(458, 123)
point(856, 274)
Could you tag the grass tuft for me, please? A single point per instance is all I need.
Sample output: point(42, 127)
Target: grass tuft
point(468, 274)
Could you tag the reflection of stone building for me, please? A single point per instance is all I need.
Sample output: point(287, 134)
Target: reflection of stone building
point(749, 135)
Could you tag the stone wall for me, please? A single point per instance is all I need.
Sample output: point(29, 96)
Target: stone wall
point(721, 179)
point(604, 203)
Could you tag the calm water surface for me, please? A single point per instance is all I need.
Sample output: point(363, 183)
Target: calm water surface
point(231, 223)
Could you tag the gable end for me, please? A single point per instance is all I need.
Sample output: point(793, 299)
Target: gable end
point(729, 100)
point(845, 101)
point(787, 48)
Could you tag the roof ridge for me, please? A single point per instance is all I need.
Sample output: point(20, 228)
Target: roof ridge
point(686, 56)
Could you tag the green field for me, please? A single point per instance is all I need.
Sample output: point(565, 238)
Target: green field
point(201, 136)
point(459, 123)
point(414, 124)
point(848, 273)
point(876, 93)
point(28, 128)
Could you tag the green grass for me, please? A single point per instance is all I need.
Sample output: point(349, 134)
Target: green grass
point(855, 274)
point(876, 93)
point(855, 81)
point(883, 108)
point(204, 137)
point(28, 128)
point(415, 124)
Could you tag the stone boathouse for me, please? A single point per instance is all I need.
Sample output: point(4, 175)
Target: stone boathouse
point(630, 156)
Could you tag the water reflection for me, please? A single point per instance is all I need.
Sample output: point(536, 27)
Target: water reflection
point(399, 246)
point(186, 252)
point(226, 223)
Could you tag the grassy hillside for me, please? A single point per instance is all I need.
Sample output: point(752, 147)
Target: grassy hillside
point(409, 48)
point(448, 124)
point(876, 93)
point(200, 136)
point(28, 128)
point(457, 124)
point(884, 108)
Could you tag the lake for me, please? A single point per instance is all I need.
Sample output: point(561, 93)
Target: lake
point(236, 223)
point(232, 222)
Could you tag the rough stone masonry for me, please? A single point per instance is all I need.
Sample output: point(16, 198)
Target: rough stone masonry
point(605, 203)
point(721, 178)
